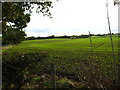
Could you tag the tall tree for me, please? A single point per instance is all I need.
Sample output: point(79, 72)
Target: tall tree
point(15, 17)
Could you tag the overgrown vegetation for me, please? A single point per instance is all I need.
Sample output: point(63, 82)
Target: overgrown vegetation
point(16, 68)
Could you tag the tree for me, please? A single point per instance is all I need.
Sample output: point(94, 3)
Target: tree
point(116, 2)
point(15, 17)
point(31, 38)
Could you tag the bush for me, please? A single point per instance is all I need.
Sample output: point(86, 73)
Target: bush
point(16, 66)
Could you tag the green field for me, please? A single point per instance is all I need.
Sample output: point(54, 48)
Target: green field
point(69, 55)
point(99, 44)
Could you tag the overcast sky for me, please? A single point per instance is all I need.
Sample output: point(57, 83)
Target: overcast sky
point(74, 17)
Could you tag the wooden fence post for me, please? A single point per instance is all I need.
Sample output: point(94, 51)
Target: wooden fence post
point(53, 83)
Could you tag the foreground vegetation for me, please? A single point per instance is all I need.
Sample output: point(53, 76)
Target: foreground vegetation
point(76, 66)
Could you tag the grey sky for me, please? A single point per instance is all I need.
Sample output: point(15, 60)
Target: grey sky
point(74, 17)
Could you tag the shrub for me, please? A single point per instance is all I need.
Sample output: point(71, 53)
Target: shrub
point(16, 66)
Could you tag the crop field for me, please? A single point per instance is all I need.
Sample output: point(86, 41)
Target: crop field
point(99, 44)
point(73, 59)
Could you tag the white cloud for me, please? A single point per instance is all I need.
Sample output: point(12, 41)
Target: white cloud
point(69, 15)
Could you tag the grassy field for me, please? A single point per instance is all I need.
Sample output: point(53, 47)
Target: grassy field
point(99, 44)
point(70, 56)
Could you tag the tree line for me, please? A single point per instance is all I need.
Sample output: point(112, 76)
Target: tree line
point(71, 37)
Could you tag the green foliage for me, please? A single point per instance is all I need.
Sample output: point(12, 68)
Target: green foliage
point(13, 36)
point(38, 79)
point(65, 83)
point(15, 17)
point(16, 66)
